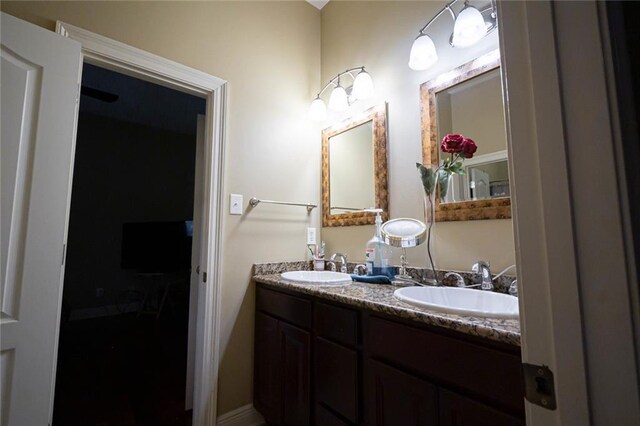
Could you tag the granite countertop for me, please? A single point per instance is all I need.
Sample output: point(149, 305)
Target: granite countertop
point(379, 298)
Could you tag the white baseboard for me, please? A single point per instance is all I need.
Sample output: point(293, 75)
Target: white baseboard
point(243, 416)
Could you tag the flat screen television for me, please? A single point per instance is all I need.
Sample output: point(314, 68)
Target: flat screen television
point(157, 247)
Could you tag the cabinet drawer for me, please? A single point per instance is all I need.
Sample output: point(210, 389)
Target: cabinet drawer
point(337, 378)
point(335, 323)
point(289, 308)
point(489, 374)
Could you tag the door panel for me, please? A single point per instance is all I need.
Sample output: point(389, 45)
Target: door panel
point(456, 410)
point(397, 398)
point(295, 352)
point(40, 79)
point(266, 372)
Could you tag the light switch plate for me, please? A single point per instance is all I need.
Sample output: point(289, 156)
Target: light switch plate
point(235, 204)
point(311, 236)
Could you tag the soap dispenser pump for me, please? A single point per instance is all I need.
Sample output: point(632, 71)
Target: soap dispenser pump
point(378, 253)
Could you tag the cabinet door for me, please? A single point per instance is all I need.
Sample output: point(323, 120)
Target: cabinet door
point(456, 410)
point(267, 393)
point(336, 378)
point(396, 398)
point(295, 345)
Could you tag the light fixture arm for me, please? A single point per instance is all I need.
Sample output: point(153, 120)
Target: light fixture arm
point(337, 78)
point(444, 9)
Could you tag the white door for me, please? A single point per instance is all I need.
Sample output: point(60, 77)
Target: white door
point(196, 251)
point(40, 84)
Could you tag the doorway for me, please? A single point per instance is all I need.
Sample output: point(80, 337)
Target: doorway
point(124, 331)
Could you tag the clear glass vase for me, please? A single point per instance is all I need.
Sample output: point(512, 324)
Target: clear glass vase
point(429, 196)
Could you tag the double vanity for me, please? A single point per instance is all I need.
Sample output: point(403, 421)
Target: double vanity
point(347, 353)
point(329, 351)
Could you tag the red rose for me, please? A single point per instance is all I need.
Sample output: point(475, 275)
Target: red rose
point(452, 143)
point(469, 147)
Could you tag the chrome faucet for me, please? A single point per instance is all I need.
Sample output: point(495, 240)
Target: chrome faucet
point(460, 280)
point(482, 267)
point(342, 259)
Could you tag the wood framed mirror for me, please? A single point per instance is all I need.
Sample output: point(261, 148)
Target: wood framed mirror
point(354, 169)
point(468, 100)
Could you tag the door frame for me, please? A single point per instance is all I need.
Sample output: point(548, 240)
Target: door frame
point(116, 56)
point(577, 308)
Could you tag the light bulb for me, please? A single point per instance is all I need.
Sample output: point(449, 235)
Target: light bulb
point(318, 110)
point(469, 27)
point(338, 100)
point(423, 53)
point(362, 86)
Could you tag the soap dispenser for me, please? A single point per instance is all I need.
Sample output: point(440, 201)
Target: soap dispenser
point(378, 253)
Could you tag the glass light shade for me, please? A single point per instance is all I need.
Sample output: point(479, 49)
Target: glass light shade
point(423, 53)
point(338, 100)
point(469, 27)
point(318, 110)
point(362, 86)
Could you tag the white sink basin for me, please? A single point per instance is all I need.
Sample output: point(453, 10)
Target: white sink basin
point(460, 301)
point(317, 277)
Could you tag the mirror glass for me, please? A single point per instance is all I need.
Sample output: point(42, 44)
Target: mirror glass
point(354, 169)
point(351, 169)
point(474, 109)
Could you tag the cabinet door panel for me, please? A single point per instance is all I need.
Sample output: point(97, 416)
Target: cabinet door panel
point(295, 345)
point(266, 388)
point(326, 418)
point(337, 378)
point(396, 398)
point(456, 410)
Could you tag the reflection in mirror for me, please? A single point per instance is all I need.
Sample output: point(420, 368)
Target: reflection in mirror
point(468, 101)
point(351, 169)
point(354, 169)
point(474, 109)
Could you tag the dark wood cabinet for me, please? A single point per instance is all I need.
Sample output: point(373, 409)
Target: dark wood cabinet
point(336, 378)
point(295, 346)
point(397, 398)
point(266, 379)
point(456, 410)
point(282, 362)
point(324, 364)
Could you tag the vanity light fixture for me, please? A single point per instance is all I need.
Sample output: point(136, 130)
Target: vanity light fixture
point(341, 97)
point(469, 27)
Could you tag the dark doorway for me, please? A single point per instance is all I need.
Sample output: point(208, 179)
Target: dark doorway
point(122, 357)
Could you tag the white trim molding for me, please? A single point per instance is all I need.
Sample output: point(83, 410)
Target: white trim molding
point(243, 416)
point(116, 56)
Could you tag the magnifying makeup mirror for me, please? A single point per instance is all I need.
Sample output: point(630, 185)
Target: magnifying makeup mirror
point(404, 233)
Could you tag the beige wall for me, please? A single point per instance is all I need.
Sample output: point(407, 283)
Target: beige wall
point(261, 49)
point(378, 35)
point(273, 150)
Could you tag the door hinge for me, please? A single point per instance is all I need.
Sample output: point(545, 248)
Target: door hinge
point(538, 385)
point(204, 277)
point(64, 250)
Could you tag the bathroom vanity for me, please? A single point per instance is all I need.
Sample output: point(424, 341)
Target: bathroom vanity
point(352, 355)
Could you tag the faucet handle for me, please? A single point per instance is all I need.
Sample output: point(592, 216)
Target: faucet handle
point(360, 269)
point(332, 265)
point(513, 288)
point(479, 265)
point(459, 279)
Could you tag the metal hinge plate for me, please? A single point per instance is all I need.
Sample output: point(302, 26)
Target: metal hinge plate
point(538, 385)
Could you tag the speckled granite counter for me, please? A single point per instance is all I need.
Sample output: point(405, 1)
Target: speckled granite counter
point(379, 298)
